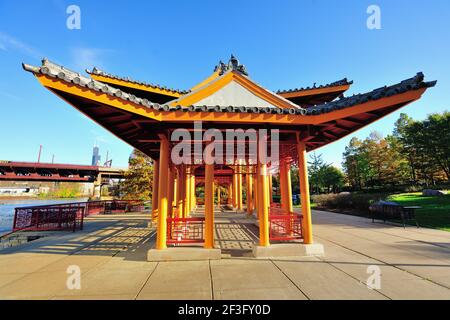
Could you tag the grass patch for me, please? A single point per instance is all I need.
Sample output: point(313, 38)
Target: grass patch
point(435, 211)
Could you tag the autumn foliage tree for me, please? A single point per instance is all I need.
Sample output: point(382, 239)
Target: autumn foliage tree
point(138, 178)
point(417, 152)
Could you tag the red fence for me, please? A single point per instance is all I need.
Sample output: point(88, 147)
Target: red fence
point(185, 230)
point(68, 216)
point(55, 217)
point(285, 227)
point(113, 206)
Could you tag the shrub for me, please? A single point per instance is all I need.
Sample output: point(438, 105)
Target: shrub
point(347, 201)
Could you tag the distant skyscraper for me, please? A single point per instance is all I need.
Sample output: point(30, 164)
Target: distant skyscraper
point(95, 156)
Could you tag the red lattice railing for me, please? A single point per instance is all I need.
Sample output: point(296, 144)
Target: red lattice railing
point(285, 227)
point(114, 206)
point(68, 216)
point(185, 230)
point(55, 217)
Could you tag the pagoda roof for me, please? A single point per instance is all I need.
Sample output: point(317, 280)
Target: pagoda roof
point(138, 120)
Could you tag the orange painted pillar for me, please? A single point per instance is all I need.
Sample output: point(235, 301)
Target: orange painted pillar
point(235, 190)
point(239, 187)
point(209, 206)
point(161, 236)
point(219, 195)
point(288, 182)
point(192, 189)
point(249, 194)
point(175, 188)
point(171, 187)
point(155, 196)
point(230, 194)
point(304, 190)
point(263, 210)
point(255, 192)
point(181, 172)
point(187, 195)
point(270, 190)
point(283, 191)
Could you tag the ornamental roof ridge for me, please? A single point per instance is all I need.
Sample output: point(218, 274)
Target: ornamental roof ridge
point(97, 71)
point(54, 70)
point(414, 83)
point(342, 82)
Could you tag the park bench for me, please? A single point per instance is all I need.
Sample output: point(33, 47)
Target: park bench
point(386, 210)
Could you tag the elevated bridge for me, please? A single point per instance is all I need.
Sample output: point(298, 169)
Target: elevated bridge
point(53, 172)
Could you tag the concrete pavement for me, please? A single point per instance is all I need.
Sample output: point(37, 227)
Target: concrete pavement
point(111, 254)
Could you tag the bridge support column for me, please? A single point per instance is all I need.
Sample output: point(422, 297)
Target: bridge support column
point(97, 191)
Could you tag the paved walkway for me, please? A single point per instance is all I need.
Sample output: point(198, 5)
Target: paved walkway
point(111, 253)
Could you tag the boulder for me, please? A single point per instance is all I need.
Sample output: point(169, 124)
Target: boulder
point(432, 193)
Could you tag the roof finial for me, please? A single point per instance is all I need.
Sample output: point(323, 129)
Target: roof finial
point(234, 64)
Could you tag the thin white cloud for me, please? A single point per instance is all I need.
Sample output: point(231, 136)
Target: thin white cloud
point(84, 57)
point(10, 43)
point(99, 138)
point(9, 95)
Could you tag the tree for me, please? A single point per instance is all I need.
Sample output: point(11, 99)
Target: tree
point(355, 164)
point(323, 176)
point(332, 179)
point(138, 178)
point(315, 165)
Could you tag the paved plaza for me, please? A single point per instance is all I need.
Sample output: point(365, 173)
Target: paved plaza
point(111, 253)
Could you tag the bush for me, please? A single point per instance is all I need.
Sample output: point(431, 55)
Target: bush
point(347, 201)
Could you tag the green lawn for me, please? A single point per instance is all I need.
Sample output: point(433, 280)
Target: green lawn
point(435, 211)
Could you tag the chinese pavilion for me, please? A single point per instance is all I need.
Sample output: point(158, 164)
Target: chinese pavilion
point(146, 115)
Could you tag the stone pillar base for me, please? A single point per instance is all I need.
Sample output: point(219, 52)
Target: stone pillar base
point(183, 254)
point(289, 250)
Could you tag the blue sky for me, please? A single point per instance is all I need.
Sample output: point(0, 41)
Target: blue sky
point(284, 44)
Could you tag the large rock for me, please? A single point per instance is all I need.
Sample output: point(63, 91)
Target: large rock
point(432, 193)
